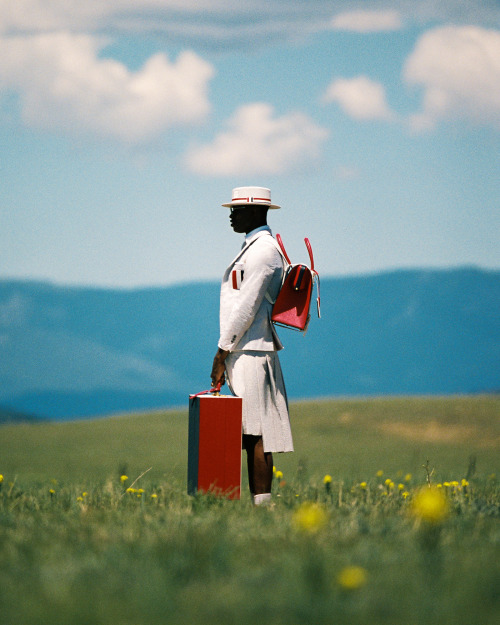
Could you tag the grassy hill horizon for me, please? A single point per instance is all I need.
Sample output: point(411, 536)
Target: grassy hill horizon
point(354, 535)
point(348, 438)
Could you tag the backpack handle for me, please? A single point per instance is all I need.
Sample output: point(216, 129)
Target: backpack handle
point(309, 249)
point(280, 243)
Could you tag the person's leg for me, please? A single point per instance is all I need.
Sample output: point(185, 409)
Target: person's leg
point(263, 469)
point(248, 446)
point(259, 464)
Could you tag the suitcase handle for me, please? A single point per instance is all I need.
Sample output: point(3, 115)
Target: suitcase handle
point(215, 391)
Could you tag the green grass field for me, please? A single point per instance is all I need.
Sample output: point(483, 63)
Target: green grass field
point(77, 548)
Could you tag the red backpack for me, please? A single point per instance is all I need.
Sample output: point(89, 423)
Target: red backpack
point(291, 308)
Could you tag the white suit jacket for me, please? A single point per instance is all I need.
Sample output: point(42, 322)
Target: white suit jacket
point(245, 312)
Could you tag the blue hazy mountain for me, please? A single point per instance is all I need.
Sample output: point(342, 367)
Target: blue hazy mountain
point(8, 416)
point(74, 352)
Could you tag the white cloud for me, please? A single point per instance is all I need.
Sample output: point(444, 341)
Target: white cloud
point(459, 70)
point(360, 98)
point(63, 83)
point(367, 21)
point(25, 16)
point(212, 22)
point(258, 142)
point(34, 16)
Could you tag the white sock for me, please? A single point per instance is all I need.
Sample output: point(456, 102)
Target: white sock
point(264, 498)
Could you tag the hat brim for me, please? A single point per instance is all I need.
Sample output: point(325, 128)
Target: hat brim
point(231, 204)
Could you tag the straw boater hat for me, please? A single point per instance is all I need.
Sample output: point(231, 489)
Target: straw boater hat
point(251, 195)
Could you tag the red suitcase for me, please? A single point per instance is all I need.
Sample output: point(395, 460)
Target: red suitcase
point(214, 444)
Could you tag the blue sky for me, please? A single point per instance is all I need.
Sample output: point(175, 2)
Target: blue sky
point(124, 125)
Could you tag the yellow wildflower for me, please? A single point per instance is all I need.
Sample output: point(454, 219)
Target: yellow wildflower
point(430, 505)
point(154, 496)
point(465, 483)
point(123, 478)
point(363, 485)
point(380, 473)
point(79, 498)
point(447, 484)
point(310, 518)
point(1, 479)
point(130, 490)
point(405, 494)
point(401, 486)
point(352, 577)
point(85, 494)
point(327, 479)
point(278, 475)
point(388, 481)
point(52, 491)
point(408, 477)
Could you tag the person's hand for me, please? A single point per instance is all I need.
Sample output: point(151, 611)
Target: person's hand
point(218, 373)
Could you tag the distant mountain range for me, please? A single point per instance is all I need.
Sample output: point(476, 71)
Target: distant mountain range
point(11, 416)
point(78, 352)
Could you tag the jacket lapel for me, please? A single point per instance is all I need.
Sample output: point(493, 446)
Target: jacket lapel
point(256, 236)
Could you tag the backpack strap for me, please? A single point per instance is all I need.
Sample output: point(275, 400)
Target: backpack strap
point(315, 274)
point(318, 300)
point(278, 244)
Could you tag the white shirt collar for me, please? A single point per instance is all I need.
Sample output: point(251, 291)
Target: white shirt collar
point(250, 236)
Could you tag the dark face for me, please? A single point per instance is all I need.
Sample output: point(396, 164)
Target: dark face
point(242, 218)
point(245, 218)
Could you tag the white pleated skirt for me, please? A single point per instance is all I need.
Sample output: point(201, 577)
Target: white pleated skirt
point(257, 378)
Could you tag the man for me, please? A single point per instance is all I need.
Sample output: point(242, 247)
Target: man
point(248, 344)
